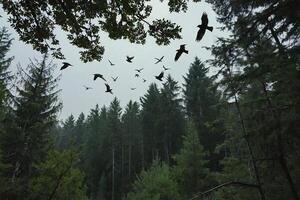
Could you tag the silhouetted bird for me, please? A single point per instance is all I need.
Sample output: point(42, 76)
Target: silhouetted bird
point(65, 65)
point(111, 64)
point(108, 89)
point(165, 68)
point(114, 79)
point(160, 76)
point(180, 51)
point(144, 80)
point(137, 75)
point(203, 27)
point(87, 88)
point(132, 88)
point(159, 60)
point(98, 76)
point(139, 70)
point(129, 59)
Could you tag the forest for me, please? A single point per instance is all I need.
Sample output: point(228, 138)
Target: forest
point(231, 135)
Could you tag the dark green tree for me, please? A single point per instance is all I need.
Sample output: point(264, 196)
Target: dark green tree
point(35, 22)
point(154, 184)
point(150, 127)
point(191, 169)
point(115, 140)
point(202, 100)
point(132, 148)
point(58, 178)
point(171, 118)
point(5, 43)
point(28, 135)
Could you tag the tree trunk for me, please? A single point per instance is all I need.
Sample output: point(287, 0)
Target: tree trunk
point(113, 174)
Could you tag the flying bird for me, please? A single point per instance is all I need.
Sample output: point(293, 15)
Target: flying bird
point(165, 68)
point(203, 26)
point(132, 88)
point(137, 75)
point(180, 51)
point(65, 65)
point(111, 64)
point(114, 79)
point(160, 76)
point(144, 80)
point(108, 89)
point(87, 88)
point(159, 59)
point(98, 76)
point(129, 59)
point(139, 70)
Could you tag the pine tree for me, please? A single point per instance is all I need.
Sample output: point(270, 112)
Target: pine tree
point(149, 117)
point(191, 169)
point(115, 140)
point(5, 43)
point(171, 118)
point(58, 178)
point(201, 99)
point(29, 133)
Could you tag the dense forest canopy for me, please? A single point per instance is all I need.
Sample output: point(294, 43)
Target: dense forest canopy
point(233, 134)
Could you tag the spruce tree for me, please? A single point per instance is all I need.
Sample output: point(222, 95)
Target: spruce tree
point(191, 169)
point(29, 135)
point(201, 99)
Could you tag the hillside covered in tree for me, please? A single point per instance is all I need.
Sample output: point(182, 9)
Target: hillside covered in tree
point(230, 131)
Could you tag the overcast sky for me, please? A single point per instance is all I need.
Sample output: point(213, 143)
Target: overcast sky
point(74, 97)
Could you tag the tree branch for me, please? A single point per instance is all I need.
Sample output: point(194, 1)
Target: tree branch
point(235, 183)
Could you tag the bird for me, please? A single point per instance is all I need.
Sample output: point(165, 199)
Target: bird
point(108, 89)
point(159, 60)
point(87, 88)
point(180, 51)
point(132, 88)
point(137, 75)
point(98, 76)
point(129, 59)
point(65, 65)
point(144, 80)
point(203, 26)
point(114, 79)
point(139, 70)
point(165, 68)
point(160, 76)
point(111, 64)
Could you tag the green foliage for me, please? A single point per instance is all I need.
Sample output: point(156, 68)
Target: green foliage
point(35, 22)
point(156, 183)
point(57, 178)
point(28, 125)
point(238, 170)
point(191, 169)
point(5, 77)
point(202, 102)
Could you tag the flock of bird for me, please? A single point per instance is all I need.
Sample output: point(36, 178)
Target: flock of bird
point(202, 29)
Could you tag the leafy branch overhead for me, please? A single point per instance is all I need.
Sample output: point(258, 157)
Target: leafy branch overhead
point(36, 21)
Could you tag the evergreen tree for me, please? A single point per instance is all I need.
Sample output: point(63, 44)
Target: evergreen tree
point(115, 140)
point(28, 137)
point(150, 127)
point(58, 178)
point(96, 151)
point(132, 149)
point(191, 169)
point(65, 135)
point(5, 43)
point(154, 184)
point(201, 99)
point(171, 118)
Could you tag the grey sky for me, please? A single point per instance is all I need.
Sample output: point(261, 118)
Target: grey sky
point(74, 97)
